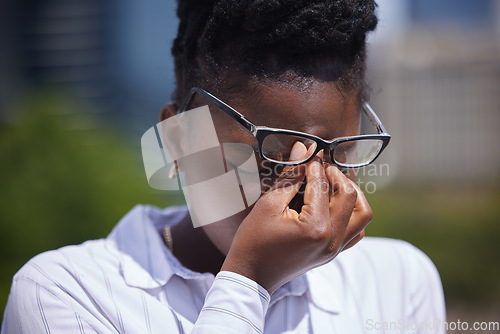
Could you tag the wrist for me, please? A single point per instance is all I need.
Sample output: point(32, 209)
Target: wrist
point(244, 268)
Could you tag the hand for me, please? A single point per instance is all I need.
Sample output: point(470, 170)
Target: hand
point(274, 244)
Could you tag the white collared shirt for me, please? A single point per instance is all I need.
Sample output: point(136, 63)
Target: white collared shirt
point(130, 283)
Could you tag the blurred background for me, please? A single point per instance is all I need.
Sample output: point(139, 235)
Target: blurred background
point(82, 80)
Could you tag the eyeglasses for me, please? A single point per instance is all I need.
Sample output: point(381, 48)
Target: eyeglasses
point(275, 144)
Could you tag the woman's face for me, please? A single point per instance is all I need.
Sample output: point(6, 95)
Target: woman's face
point(320, 109)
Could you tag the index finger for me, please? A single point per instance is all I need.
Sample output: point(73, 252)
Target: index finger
point(289, 181)
point(316, 194)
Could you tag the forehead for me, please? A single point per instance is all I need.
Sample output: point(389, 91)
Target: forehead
point(318, 108)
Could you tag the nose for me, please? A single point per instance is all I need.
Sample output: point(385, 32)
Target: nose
point(327, 156)
point(328, 159)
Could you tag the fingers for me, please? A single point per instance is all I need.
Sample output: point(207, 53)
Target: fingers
point(349, 210)
point(315, 208)
point(288, 183)
point(362, 215)
point(298, 150)
point(333, 205)
point(344, 197)
point(355, 240)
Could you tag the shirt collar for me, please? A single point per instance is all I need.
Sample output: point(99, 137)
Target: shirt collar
point(322, 286)
point(325, 287)
point(296, 287)
point(145, 261)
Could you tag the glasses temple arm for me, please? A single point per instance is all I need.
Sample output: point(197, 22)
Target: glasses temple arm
point(221, 105)
point(374, 119)
point(182, 108)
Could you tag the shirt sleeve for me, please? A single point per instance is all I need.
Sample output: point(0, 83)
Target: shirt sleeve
point(32, 308)
point(234, 304)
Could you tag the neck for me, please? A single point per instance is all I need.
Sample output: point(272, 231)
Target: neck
point(194, 249)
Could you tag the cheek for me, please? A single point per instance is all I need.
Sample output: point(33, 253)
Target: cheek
point(268, 173)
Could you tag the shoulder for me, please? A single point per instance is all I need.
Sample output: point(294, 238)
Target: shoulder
point(56, 270)
point(57, 284)
point(383, 256)
point(76, 267)
point(85, 281)
point(387, 273)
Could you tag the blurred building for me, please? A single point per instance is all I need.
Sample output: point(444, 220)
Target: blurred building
point(434, 68)
point(435, 73)
point(114, 55)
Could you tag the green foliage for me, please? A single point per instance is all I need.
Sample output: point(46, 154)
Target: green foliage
point(65, 178)
point(456, 227)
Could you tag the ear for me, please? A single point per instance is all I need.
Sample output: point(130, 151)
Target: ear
point(168, 110)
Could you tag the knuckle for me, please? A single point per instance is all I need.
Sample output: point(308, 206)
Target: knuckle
point(324, 185)
point(366, 215)
point(320, 185)
point(319, 234)
point(316, 230)
point(336, 242)
point(349, 190)
point(334, 248)
point(361, 235)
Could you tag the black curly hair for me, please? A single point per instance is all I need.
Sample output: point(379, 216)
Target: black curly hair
point(271, 39)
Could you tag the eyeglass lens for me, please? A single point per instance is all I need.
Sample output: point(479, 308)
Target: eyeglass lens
point(354, 153)
point(277, 147)
point(357, 152)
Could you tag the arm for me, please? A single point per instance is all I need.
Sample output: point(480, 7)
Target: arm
point(234, 304)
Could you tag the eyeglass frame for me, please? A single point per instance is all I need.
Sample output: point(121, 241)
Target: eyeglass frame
point(260, 132)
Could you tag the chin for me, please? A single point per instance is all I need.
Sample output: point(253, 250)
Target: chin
point(222, 232)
